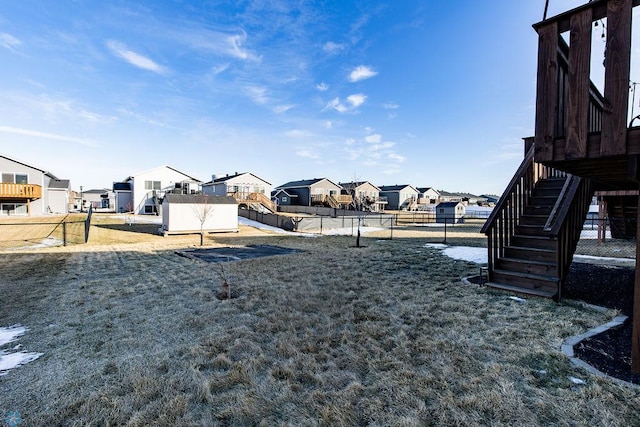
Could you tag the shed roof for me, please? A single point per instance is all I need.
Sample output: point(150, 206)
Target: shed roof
point(448, 204)
point(199, 199)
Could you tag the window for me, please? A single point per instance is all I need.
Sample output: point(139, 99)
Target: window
point(17, 178)
point(13, 209)
point(152, 185)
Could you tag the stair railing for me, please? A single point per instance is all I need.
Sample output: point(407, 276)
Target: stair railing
point(567, 221)
point(505, 216)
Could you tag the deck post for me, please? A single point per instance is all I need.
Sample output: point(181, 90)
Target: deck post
point(635, 338)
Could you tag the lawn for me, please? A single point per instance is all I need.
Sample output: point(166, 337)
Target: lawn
point(386, 334)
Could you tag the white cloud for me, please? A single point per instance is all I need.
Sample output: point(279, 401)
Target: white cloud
point(361, 72)
point(278, 109)
point(8, 41)
point(333, 48)
point(257, 93)
point(307, 154)
point(298, 133)
point(322, 86)
point(357, 99)
point(220, 68)
point(373, 138)
point(134, 58)
point(38, 134)
point(336, 105)
point(396, 157)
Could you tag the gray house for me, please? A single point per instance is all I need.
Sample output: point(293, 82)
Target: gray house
point(310, 192)
point(400, 197)
point(31, 191)
point(450, 212)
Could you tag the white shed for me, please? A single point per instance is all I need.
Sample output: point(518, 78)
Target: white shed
point(189, 213)
point(450, 212)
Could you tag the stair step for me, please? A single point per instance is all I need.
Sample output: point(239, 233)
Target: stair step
point(531, 230)
point(551, 183)
point(533, 219)
point(520, 290)
point(526, 281)
point(543, 200)
point(538, 210)
point(538, 242)
point(534, 254)
point(528, 266)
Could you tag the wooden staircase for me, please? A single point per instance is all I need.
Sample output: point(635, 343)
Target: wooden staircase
point(534, 229)
point(530, 260)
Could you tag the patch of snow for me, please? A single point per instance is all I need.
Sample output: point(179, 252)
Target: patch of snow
point(348, 231)
point(435, 245)
point(13, 360)
point(11, 333)
point(577, 381)
point(464, 253)
point(261, 226)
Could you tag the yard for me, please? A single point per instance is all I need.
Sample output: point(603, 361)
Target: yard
point(386, 334)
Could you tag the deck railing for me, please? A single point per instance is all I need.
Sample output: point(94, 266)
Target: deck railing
point(566, 104)
point(20, 191)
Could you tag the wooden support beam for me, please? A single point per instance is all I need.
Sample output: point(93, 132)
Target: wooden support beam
point(616, 78)
point(546, 91)
point(635, 337)
point(579, 71)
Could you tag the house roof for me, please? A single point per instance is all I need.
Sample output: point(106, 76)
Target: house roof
point(59, 184)
point(356, 184)
point(396, 187)
point(305, 183)
point(425, 189)
point(228, 177)
point(275, 193)
point(49, 174)
point(199, 199)
point(129, 178)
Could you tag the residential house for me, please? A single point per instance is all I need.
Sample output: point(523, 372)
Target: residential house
point(282, 198)
point(428, 197)
point(142, 193)
point(446, 196)
point(317, 191)
point(191, 213)
point(450, 212)
point(31, 191)
point(365, 195)
point(98, 198)
point(472, 199)
point(248, 189)
point(400, 197)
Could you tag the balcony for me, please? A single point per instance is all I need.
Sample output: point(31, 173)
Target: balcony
point(20, 191)
point(579, 130)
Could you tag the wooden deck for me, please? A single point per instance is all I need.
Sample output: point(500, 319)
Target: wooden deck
point(20, 191)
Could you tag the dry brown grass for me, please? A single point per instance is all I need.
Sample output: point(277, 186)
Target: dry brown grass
point(386, 334)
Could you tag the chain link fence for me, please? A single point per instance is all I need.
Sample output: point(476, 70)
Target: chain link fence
point(38, 232)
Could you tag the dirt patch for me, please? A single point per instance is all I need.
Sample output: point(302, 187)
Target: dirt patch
point(226, 254)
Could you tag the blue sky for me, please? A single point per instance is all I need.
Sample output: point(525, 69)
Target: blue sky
point(422, 92)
